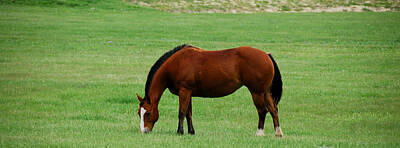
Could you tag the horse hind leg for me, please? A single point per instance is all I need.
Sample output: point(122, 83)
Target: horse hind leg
point(272, 108)
point(258, 100)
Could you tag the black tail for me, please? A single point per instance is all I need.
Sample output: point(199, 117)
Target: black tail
point(276, 87)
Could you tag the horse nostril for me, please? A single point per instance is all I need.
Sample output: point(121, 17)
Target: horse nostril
point(146, 130)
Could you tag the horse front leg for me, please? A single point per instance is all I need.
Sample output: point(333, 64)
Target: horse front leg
point(184, 100)
point(189, 118)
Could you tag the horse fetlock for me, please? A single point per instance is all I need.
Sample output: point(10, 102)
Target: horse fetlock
point(278, 132)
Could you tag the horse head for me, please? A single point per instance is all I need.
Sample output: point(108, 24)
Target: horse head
point(148, 116)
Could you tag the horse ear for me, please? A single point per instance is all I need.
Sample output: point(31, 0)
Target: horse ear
point(139, 98)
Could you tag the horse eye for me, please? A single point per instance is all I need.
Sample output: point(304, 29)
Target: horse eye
point(147, 114)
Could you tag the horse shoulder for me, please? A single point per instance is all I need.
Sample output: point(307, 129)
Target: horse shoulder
point(181, 67)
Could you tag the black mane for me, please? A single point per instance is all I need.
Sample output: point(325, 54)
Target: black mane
point(157, 65)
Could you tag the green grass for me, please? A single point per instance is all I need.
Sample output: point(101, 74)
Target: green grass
point(68, 77)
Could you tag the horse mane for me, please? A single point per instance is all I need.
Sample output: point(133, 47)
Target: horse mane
point(157, 66)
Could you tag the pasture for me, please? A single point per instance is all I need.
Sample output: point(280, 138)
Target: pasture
point(68, 77)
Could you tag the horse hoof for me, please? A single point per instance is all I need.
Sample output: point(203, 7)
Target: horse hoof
point(278, 132)
point(191, 132)
point(180, 132)
point(260, 132)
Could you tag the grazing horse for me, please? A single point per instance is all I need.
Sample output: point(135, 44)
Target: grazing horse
point(189, 71)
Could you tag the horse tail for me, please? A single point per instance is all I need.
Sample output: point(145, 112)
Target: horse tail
point(276, 86)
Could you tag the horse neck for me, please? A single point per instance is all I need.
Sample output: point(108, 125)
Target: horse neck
point(157, 88)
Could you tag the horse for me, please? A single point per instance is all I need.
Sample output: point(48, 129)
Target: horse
point(188, 71)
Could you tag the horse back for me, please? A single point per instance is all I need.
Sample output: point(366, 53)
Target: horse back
point(217, 73)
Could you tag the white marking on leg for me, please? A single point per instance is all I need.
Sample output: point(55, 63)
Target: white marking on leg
point(278, 132)
point(142, 112)
point(260, 132)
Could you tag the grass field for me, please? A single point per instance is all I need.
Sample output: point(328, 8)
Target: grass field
point(68, 77)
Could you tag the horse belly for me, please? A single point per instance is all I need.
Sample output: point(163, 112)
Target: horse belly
point(218, 86)
point(214, 93)
point(211, 91)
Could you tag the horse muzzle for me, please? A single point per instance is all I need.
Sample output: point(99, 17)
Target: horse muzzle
point(145, 130)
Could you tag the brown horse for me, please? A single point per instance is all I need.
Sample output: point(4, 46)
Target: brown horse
point(190, 71)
